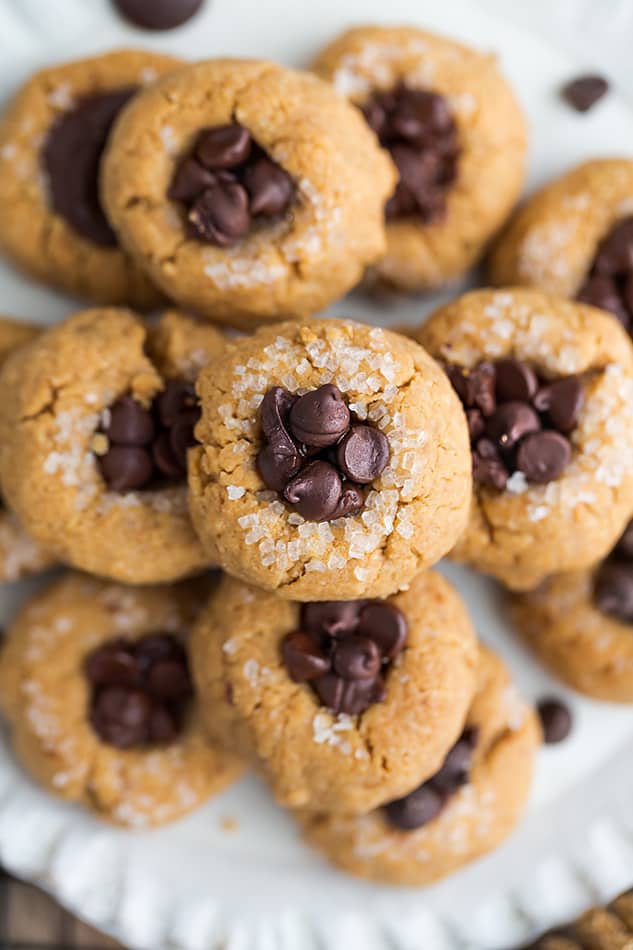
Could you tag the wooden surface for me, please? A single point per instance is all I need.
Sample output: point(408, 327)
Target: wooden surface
point(29, 920)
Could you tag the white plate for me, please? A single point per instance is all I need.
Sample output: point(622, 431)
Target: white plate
point(195, 885)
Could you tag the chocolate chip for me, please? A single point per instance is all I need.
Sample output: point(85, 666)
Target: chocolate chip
point(555, 719)
point(163, 726)
point(279, 460)
point(613, 590)
point(584, 91)
point(71, 156)
point(615, 253)
point(475, 387)
point(169, 679)
point(130, 423)
point(158, 14)
point(125, 468)
point(357, 658)
point(155, 648)
point(385, 625)
point(414, 810)
point(120, 716)
point(270, 188)
point(303, 658)
point(224, 146)
point(363, 454)
point(562, 400)
point(113, 665)
point(329, 689)
point(331, 617)
point(189, 180)
point(624, 547)
point(178, 397)
point(320, 417)
point(476, 424)
point(510, 422)
point(490, 472)
point(456, 767)
point(315, 491)
point(601, 291)
point(166, 460)
point(220, 215)
point(543, 456)
point(351, 502)
point(627, 297)
point(514, 381)
point(359, 695)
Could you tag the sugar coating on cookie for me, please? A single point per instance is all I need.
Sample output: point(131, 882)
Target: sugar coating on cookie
point(100, 411)
point(522, 530)
point(480, 806)
point(20, 555)
point(266, 704)
point(295, 538)
point(579, 625)
point(456, 133)
point(52, 135)
point(552, 241)
point(266, 199)
point(48, 698)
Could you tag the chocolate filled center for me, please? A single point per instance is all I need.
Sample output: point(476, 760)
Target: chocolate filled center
point(140, 690)
point(228, 184)
point(613, 580)
point(609, 283)
point(139, 448)
point(344, 649)
point(71, 156)
point(316, 455)
point(427, 801)
point(417, 128)
point(519, 423)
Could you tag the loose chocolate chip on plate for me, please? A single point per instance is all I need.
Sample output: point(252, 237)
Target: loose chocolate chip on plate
point(613, 590)
point(555, 719)
point(320, 417)
point(543, 456)
point(515, 381)
point(303, 658)
point(130, 423)
point(416, 809)
point(385, 625)
point(357, 658)
point(125, 467)
point(158, 14)
point(315, 492)
point(220, 214)
point(584, 91)
point(363, 453)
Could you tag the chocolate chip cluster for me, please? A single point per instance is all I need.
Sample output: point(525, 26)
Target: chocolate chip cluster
point(315, 455)
point(609, 284)
point(227, 183)
point(426, 802)
point(613, 581)
point(138, 447)
point(343, 649)
point(417, 128)
point(517, 421)
point(139, 690)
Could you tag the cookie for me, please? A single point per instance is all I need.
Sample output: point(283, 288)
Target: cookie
point(465, 810)
point(580, 625)
point(574, 237)
point(456, 133)
point(96, 417)
point(266, 199)
point(333, 461)
point(52, 136)
point(20, 555)
point(96, 687)
point(548, 387)
point(341, 705)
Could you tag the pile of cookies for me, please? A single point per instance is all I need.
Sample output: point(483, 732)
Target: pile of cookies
point(249, 521)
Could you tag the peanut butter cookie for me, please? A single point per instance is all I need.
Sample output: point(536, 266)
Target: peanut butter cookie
point(247, 191)
point(52, 136)
point(548, 389)
point(95, 684)
point(342, 705)
point(456, 133)
point(465, 810)
point(96, 418)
